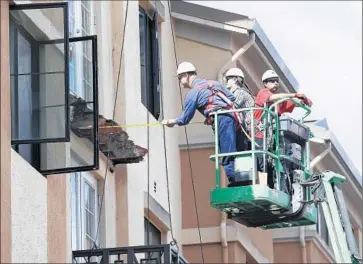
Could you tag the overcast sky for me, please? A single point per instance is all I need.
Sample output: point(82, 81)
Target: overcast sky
point(321, 43)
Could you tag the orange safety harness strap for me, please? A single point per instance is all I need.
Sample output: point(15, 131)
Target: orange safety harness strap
point(210, 85)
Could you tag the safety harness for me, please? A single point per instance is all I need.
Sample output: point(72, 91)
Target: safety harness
point(210, 85)
point(210, 107)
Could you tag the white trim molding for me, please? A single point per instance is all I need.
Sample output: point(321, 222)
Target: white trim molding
point(234, 234)
point(292, 235)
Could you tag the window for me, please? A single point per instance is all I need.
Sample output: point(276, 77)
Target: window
point(149, 62)
point(80, 17)
point(50, 126)
point(39, 73)
point(25, 91)
point(85, 209)
point(154, 239)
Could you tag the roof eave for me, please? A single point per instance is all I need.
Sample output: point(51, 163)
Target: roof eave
point(245, 25)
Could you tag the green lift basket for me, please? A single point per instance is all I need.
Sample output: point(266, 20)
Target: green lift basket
point(258, 204)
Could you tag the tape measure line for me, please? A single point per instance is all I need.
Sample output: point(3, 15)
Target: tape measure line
point(144, 125)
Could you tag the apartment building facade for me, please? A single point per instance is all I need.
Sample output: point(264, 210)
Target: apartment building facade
point(74, 177)
point(212, 39)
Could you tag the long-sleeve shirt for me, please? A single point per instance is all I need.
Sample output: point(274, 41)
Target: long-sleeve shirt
point(197, 99)
point(243, 100)
point(262, 98)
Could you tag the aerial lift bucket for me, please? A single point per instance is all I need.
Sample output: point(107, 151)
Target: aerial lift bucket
point(258, 204)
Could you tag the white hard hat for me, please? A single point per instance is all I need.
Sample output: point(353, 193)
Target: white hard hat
point(235, 72)
point(269, 74)
point(184, 67)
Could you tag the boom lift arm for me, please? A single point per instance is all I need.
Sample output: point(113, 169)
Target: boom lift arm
point(327, 193)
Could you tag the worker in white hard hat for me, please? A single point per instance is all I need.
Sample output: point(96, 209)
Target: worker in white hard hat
point(268, 95)
point(206, 97)
point(244, 99)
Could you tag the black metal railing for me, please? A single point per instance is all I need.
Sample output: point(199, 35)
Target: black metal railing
point(164, 253)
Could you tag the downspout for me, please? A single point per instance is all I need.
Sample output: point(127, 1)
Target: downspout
point(234, 57)
point(313, 163)
point(237, 55)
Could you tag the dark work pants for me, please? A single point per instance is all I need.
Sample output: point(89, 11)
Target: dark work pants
point(261, 164)
point(227, 141)
point(241, 140)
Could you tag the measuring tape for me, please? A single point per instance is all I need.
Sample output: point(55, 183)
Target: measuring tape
point(145, 125)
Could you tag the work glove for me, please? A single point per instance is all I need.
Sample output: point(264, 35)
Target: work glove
point(308, 102)
point(168, 122)
point(260, 126)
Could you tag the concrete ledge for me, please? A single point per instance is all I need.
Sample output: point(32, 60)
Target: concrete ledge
point(158, 214)
point(292, 235)
point(212, 235)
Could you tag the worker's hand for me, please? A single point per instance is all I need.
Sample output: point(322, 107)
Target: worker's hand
point(300, 96)
point(168, 122)
point(308, 102)
point(300, 101)
point(260, 126)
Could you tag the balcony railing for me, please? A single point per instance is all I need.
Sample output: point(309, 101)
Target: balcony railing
point(164, 253)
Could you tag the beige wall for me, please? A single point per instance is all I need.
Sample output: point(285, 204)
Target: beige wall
point(130, 110)
point(212, 253)
point(58, 206)
point(5, 136)
point(288, 252)
point(204, 181)
point(314, 254)
point(291, 252)
point(28, 212)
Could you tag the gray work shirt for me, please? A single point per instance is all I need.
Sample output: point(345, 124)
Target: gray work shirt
point(244, 99)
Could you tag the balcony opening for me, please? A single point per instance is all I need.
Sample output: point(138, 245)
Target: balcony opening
point(55, 120)
point(46, 115)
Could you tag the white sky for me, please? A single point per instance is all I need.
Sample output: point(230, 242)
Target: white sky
point(321, 43)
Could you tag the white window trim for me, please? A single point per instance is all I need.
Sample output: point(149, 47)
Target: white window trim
point(79, 226)
point(78, 32)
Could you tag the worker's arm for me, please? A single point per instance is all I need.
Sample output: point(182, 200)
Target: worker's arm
point(276, 97)
point(190, 106)
point(228, 94)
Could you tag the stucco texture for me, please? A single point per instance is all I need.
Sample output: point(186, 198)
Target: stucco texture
point(28, 212)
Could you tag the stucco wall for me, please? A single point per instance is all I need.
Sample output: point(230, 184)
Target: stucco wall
point(314, 254)
point(289, 252)
point(130, 110)
point(28, 212)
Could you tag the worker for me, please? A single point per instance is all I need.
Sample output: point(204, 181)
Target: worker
point(244, 99)
point(268, 95)
point(206, 97)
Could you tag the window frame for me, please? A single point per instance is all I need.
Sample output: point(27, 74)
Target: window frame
point(64, 5)
point(76, 29)
point(36, 163)
point(153, 232)
point(95, 164)
point(150, 92)
point(78, 207)
point(14, 30)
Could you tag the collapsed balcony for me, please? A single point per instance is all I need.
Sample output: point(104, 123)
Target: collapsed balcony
point(113, 141)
